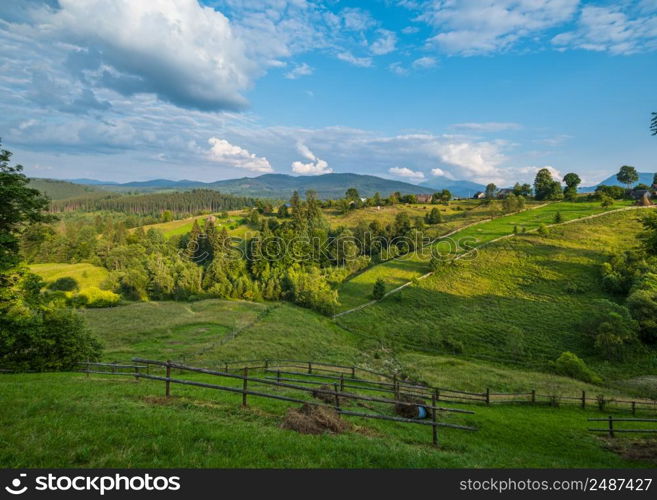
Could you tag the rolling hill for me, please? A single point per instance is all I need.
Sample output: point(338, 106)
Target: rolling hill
point(278, 186)
point(62, 190)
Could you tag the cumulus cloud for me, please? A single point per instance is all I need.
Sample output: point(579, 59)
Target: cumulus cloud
point(470, 27)
point(425, 62)
point(314, 166)
point(610, 29)
point(407, 173)
point(181, 51)
point(439, 172)
point(385, 43)
point(528, 173)
point(363, 62)
point(477, 160)
point(225, 153)
point(298, 71)
point(398, 68)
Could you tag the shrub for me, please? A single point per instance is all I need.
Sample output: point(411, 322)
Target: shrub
point(65, 284)
point(543, 230)
point(58, 339)
point(95, 297)
point(571, 365)
point(379, 289)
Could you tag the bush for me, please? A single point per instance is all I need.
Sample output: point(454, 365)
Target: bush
point(95, 297)
point(56, 340)
point(379, 289)
point(571, 365)
point(543, 230)
point(65, 284)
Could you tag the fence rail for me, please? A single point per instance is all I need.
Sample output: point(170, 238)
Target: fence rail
point(337, 394)
point(611, 431)
point(353, 377)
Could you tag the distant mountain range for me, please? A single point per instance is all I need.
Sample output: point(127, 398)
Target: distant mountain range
point(644, 178)
point(281, 186)
point(277, 186)
point(461, 189)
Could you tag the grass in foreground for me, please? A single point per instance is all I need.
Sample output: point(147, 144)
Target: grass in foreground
point(68, 420)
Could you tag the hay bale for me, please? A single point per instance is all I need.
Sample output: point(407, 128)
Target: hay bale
point(312, 419)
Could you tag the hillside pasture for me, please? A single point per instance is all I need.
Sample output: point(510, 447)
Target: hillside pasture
point(86, 275)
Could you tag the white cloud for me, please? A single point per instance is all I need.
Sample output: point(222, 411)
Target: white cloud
point(477, 160)
point(407, 173)
point(439, 172)
point(469, 27)
point(487, 126)
point(409, 30)
point(225, 153)
point(363, 62)
point(610, 29)
point(355, 19)
point(425, 62)
point(385, 43)
point(183, 52)
point(300, 70)
point(313, 167)
point(398, 69)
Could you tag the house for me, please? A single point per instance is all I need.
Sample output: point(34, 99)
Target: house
point(479, 195)
point(423, 198)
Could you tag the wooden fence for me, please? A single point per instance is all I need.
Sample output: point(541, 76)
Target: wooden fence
point(354, 377)
point(340, 397)
point(611, 431)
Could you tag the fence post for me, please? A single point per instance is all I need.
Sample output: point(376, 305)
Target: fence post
point(310, 367)
point(633, 407)
point(353, 372)
point(136, 373)
point(487, 395)
point(434, 429)
point(337, 397)
point(245, 385)
point(611, 426)
point(436, 394)
point(533, 396)
point(113, 367)
point(278, 376)
point(266, 364)
point(583, 400)
point(88, 368)
point(168, 382)
point(342, 382)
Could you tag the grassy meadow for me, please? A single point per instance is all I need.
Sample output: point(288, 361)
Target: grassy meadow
point(358, 290)
point(87, 275)
point(524, 299)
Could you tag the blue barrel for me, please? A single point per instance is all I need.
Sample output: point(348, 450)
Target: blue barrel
point(422, 412)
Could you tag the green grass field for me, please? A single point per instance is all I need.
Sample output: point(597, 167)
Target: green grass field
point(68, 420)
point(524, 299)
point(358, 290)
point(517, 285)
point(87, 275)
point(182, 226)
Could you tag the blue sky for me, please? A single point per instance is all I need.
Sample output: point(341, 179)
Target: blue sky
point(480, 90)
